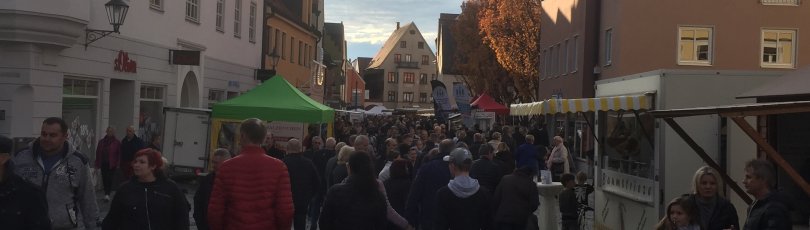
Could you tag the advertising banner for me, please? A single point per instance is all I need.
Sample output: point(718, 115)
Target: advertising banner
point(284, 131)
point(441, 100)
point(463, 98)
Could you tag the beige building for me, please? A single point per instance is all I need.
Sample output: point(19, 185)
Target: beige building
point(665, 55)
point(291, 31)
point(406, 65)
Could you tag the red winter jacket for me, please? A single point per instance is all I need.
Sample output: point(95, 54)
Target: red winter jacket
point(251, 191)
point(110, 146)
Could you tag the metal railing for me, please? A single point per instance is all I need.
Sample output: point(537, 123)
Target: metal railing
point(781, 2)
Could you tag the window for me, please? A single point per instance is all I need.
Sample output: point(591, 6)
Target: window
point(151, 92)
point(392, 77)
point(306, 55)
point(560, 60)
point(409, 77)
point(574, 54)
point(425, 60)
point(80, 103)
point(781, 2)
point(778, 48)
point(252, 23)
point(407, 96)
point(232, 94)
point(407, 58)
point(300, 52)
point(392, 96)
point(552, 62)
point(403, 44)
point(423, 79)
point(564, 59)
point(283, 43)
point(292, 49)
point(193, 10)
point(220, 16)
point(397, 58)
point(433, 77)
point(237, 19)
point(423, 97)
point(608, 48)
point(215, 96)
point(694, 46)
point(546, 60)
point(420, 45)
point(156, 4)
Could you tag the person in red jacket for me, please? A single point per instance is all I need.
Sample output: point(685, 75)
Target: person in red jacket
point(108, 153)
point(251, 190)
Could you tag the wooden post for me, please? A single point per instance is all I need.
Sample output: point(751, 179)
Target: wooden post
point(702, 153)
point(771, 152)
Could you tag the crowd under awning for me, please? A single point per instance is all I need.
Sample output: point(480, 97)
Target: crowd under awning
point(554, 106)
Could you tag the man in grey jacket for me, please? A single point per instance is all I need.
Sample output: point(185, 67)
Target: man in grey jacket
point(63, 173)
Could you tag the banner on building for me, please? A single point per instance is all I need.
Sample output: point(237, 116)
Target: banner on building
point(441, 100)
point(463, 98)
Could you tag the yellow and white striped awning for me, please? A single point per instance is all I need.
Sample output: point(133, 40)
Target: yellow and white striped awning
point(553, 106)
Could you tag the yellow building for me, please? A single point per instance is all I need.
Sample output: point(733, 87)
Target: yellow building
point(291, 32)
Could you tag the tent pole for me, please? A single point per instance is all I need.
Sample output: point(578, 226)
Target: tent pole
point(702, 153)
point(772, 153)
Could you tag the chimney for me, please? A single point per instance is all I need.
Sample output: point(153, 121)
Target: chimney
point(397, 25)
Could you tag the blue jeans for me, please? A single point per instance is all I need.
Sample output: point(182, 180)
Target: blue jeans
point(315, 211)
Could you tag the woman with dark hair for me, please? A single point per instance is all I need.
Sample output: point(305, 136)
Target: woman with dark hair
point(149, 200)
point(357, 203)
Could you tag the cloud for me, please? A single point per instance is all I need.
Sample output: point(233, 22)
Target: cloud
point(371, 22)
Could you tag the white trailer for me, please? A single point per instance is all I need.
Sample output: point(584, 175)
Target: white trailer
point(185, 139)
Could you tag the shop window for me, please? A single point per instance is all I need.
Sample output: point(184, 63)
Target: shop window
point(628, 143)
point(150, 116)
point(80, 101)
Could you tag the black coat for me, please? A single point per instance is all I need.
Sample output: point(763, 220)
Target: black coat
point(506, 160)
point(723, 217)
point(304, 181)
point(345, 208)
point(159, 205)
point(515, 198)
point(421, 207)
point(769, 213)
point(129, 148)
point(397, 189)
point(201, 198)
point(320, 158)
point(487, 172)
point(473, 212)
point(22, 204)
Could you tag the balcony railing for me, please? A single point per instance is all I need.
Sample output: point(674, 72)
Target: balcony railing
point(410, 65)
point(781, 2)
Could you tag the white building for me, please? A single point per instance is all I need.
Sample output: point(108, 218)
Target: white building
point(122, 79)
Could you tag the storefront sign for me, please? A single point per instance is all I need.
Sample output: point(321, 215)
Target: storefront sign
point(184, 57)
point(124, 64)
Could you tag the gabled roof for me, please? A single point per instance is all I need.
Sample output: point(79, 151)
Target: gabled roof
point(392, 43)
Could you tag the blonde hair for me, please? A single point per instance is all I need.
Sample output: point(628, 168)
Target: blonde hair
point(503, 147)
point(343, 155)
point(703, 171)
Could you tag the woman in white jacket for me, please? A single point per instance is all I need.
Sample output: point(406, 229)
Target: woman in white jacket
point(557, 162)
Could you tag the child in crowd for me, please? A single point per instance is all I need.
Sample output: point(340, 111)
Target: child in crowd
point(681, 215)
point(569, 205)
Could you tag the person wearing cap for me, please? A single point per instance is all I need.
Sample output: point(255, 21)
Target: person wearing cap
point(23, 204)
point(516, 198)
point(462, 203)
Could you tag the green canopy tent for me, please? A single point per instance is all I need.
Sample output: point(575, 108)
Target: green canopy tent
point(274, 100)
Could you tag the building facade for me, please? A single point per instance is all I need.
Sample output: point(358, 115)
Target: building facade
point(293, 33)
point(402, 69)
point(123, 79)
point(672, 59)
point(445, 56)
point(334, 47)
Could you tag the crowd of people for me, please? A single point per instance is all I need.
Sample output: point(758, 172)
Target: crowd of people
point(393, 172)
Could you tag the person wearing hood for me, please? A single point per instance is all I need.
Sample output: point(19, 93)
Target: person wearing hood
point(463, 203)
point(24, 202)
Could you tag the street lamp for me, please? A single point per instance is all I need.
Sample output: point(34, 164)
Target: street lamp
point(116, 13)
point(274, 61)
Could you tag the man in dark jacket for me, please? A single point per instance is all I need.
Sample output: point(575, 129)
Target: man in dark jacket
point(304, 182)
point(23, 204)
point(767, 212)
point(270, 148)
point(486, 171)
point(129, 145)
point(203, 193)
point(478, 141)
point(421, 207)
point(527, 154)
point(515, 199)
point(462, 203)
point(319, 156)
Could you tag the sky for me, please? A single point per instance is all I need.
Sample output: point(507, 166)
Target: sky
point(368, 23)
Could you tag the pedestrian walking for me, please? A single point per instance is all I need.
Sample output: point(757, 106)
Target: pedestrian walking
point(304, 181)
point(767, 211)
point(150, 200)
point(516, 198)
point(486, 171)
point(340, 172)
point(399, 184)
point(714, 212)
point(356, 204)
point(462, 203)
point(505, 158)
point(421, 206)
point(320, 158)
point(251, 190)
point(527, 154)
point(130, 144)
point(108, 153)
point(23, 204)
point(568, 203)
point(203, 194)
point(63, 172)
point(270, 147)
point(681, 215)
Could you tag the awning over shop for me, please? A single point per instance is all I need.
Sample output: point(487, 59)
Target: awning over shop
point(553, 106)
point(488, 104)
